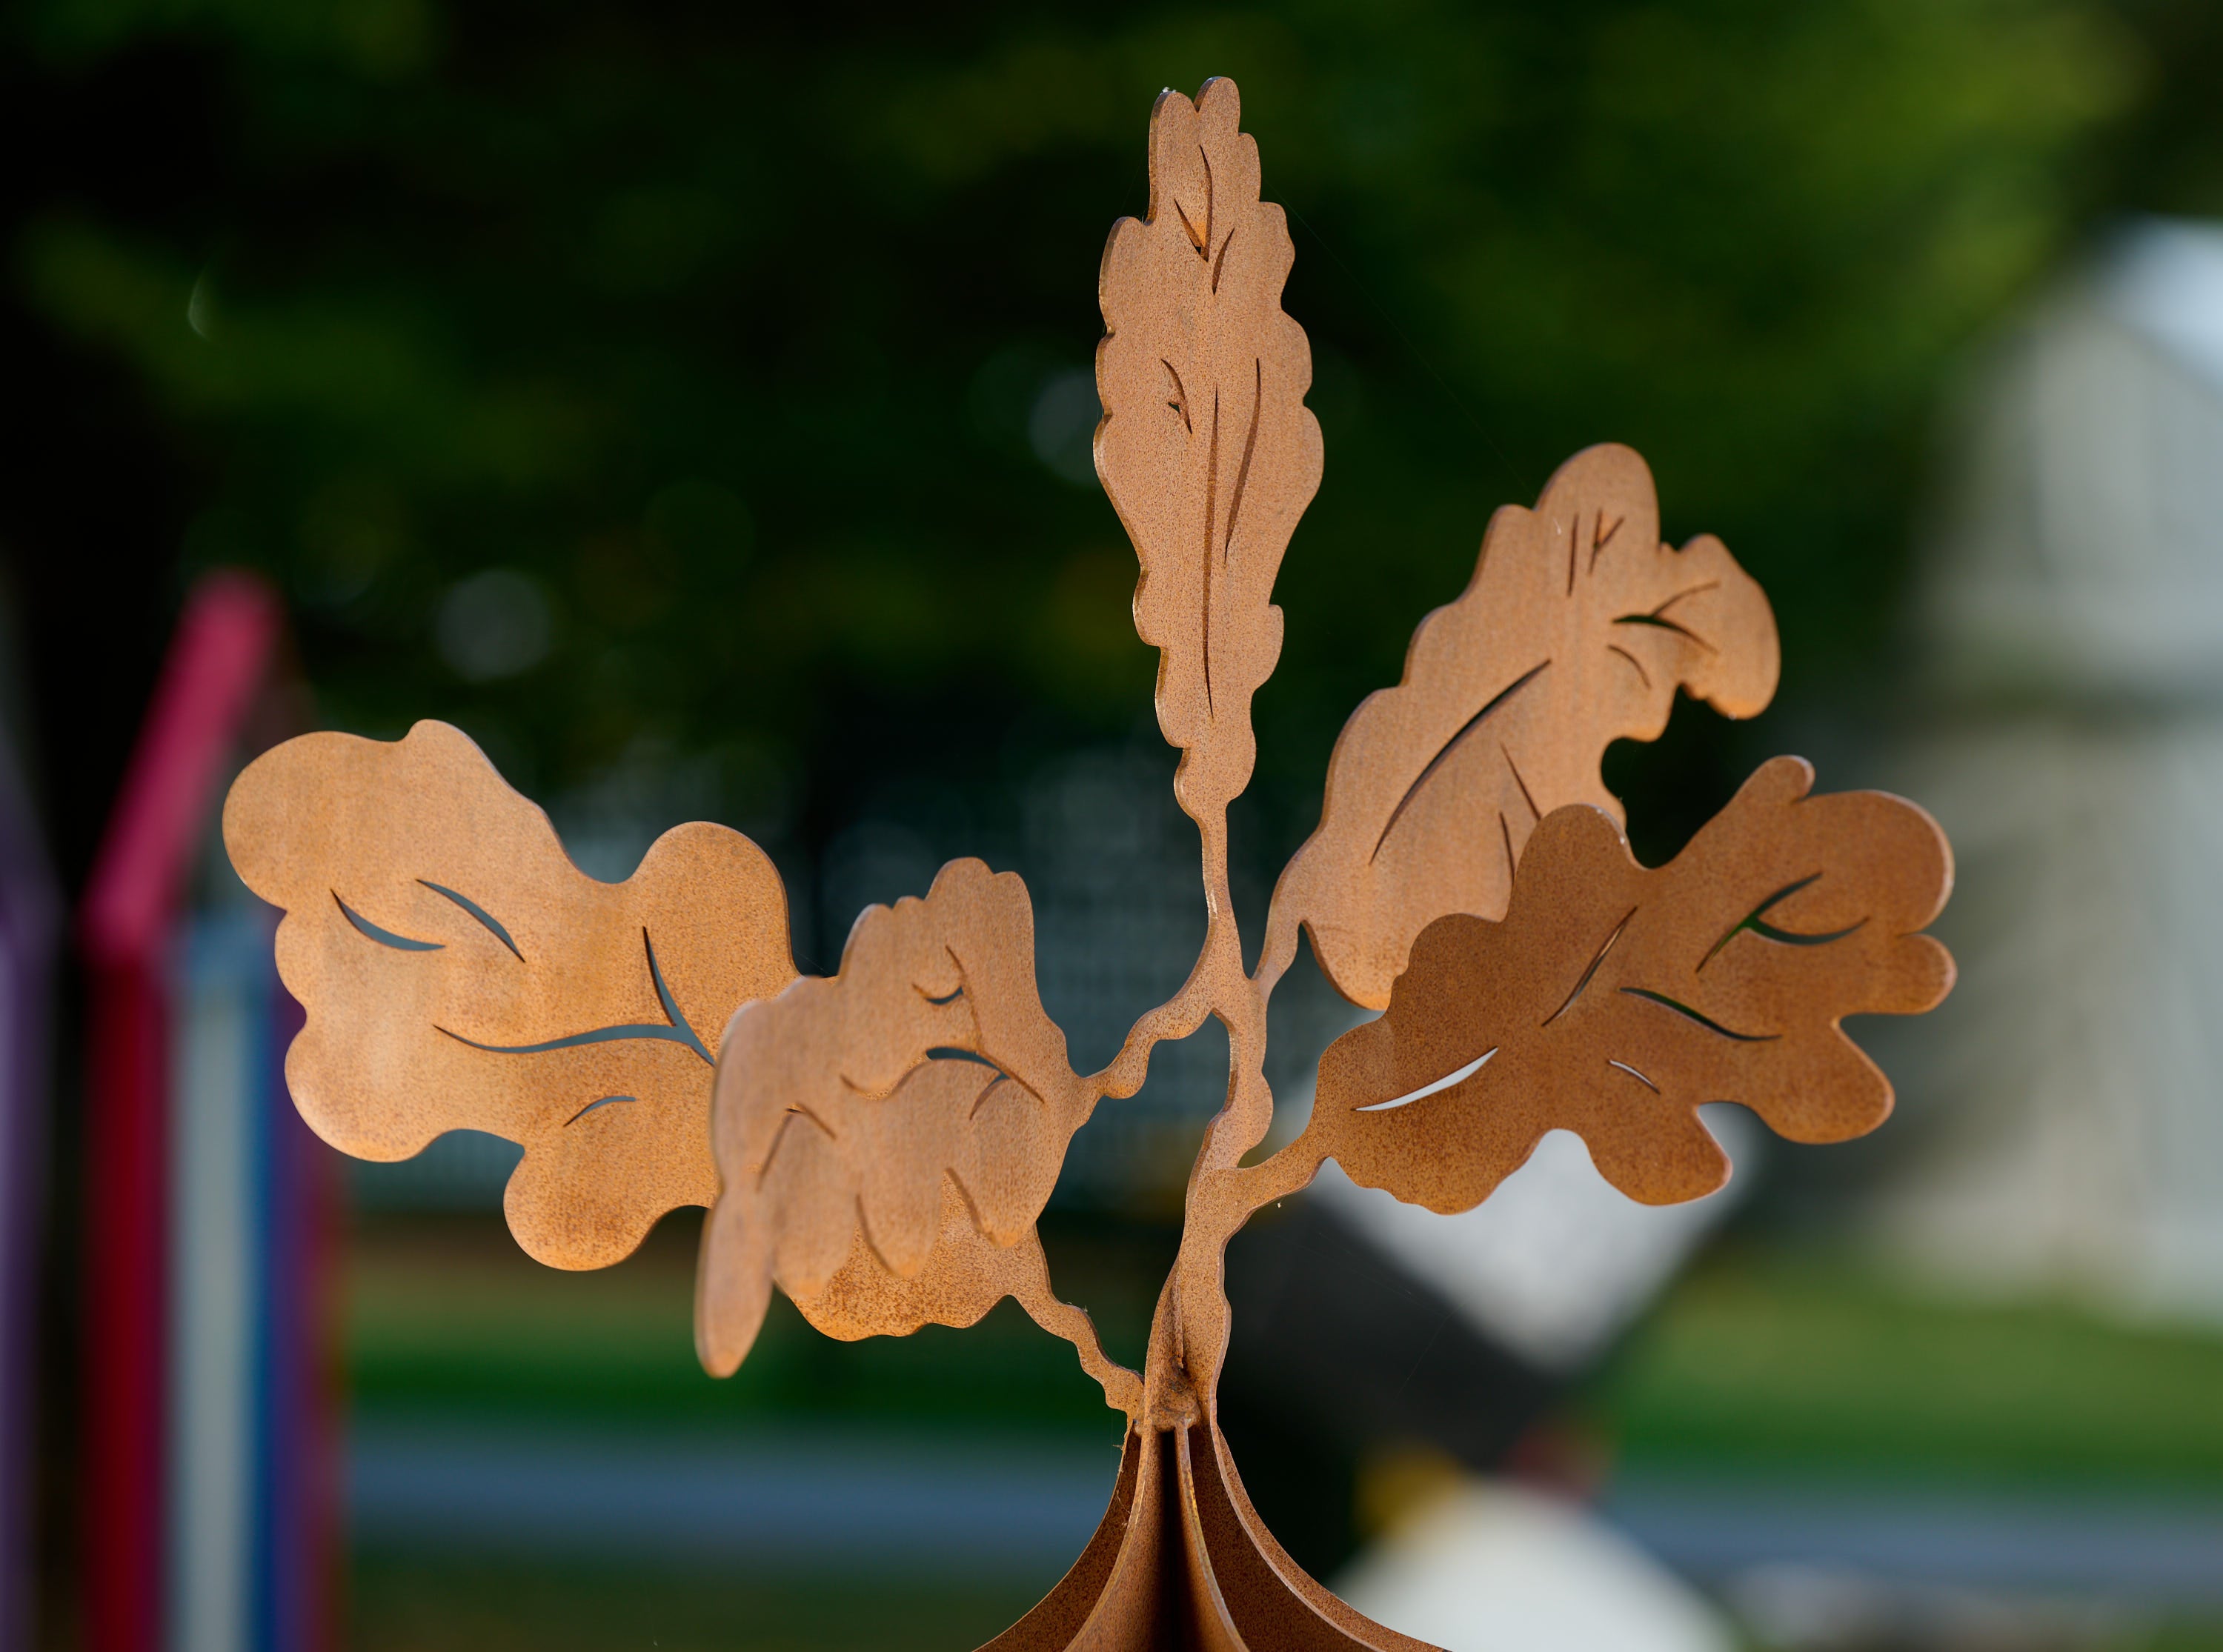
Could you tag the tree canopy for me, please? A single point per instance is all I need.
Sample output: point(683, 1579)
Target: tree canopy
point(682, 389)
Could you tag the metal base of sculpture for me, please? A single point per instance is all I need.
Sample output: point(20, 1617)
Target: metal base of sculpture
point(1182, 1560)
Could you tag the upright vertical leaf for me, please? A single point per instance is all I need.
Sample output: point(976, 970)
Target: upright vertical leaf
point(1207, 447)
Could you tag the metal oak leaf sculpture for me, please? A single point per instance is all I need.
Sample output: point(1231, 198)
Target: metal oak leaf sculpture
point(1612, 1001)
point(460, 973)
point(1576, 631)
point(887, 1138)
point(1207, 447)
point(879, 1144)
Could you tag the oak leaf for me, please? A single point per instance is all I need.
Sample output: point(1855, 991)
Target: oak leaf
point(1576, 630)
point(887, 1136)
point(1614, 1001)
point(459, 972)
point(1206, 449)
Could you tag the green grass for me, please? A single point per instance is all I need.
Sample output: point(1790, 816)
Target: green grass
point(1808, 1365)
point(448, 1316)
point(1754, 1361)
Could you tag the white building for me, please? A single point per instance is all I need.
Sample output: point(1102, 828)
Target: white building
point(2068, 1101)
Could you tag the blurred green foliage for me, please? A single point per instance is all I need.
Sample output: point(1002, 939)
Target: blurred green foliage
point(675, 387)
